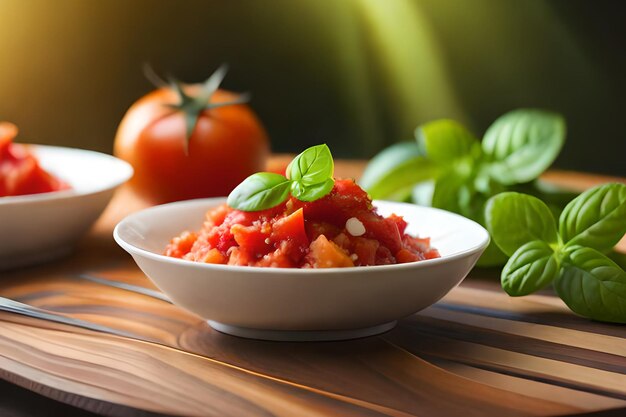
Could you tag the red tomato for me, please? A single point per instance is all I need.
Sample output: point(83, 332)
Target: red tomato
point(226, 145)
point(345, 199)
point(252, 239)
point(382, 229)
point(291, 229)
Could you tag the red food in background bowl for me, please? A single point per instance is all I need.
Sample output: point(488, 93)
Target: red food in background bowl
point(20, 171)
point(56, 194)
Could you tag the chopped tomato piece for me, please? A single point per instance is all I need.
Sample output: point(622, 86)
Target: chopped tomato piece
point(343, 241)
point(215, 217)
point(290, 228)
point(403, 256)
point(277, 259)
point(384, 256)
point(399, 221)
point(181, 245)
point(338, 206)
point(291, 231)
point(236, 256)
point(365, 250)
point(326, 254)
point(225, 238)
point(214, 256)
point(416, 244)
point(251, 239)
point(381, 229)
point(314, 229)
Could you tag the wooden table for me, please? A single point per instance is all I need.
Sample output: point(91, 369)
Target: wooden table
point(475, 353)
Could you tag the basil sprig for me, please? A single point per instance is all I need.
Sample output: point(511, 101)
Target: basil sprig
point(570, 256)
point(259, 191)
point(309, 177)
point(449, 168)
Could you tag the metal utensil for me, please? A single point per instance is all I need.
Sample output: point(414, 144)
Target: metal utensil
point(128, 287)
point(12, 306)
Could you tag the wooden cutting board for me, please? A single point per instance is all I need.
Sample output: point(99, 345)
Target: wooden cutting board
point(476, 352)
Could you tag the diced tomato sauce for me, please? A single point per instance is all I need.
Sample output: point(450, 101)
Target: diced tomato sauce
point(20, 173)
point(300, 234)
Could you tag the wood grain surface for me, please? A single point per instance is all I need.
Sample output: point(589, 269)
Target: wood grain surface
point(477, 352)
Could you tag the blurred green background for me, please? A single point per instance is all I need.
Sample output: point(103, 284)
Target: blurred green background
point(357, 74)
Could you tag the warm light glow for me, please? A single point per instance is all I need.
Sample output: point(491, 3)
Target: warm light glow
point(414, 70)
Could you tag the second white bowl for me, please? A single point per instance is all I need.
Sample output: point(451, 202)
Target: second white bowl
point(40, 227)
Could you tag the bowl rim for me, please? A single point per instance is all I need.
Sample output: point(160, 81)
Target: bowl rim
point(124, 168)
point(135, 250)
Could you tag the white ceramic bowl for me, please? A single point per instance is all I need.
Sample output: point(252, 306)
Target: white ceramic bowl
point(41, 227)
point(302, 304)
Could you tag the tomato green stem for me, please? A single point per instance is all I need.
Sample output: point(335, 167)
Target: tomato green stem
point(192, 106)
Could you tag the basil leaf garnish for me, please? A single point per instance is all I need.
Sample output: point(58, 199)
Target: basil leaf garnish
point(313, 166)
point(310, 177)
point(259, 191)
point(311, 192)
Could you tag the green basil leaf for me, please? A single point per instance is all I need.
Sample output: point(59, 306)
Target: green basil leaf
point(522, 144)
point(394, 171)
point(445, 141)
point(596, 218)
point(402, 194)
point(311, 192)
point(514, 219)
point(313, 166)
point(452, 192)
point(386, 160)
point(259, 191)
point(422, 193)
point(592, 285)
point(486, 185)
point(531, 268)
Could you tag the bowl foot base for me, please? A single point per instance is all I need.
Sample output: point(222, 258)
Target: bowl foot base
point(300, 335)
